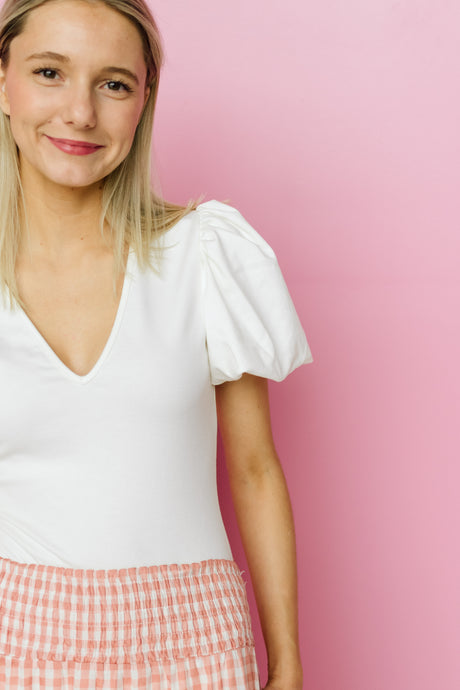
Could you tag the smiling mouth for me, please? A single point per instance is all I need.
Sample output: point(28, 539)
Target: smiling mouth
point(76, 148)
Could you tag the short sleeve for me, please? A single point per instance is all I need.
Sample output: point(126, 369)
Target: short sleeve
point(251, 323)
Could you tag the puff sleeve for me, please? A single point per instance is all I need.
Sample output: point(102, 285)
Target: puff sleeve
point(250, 320)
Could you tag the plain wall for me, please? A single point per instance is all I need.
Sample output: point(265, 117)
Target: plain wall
point(334, 128)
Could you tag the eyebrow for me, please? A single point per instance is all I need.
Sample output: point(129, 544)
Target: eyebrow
point(49, 55)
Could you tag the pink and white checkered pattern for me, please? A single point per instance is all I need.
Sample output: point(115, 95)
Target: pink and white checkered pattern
point(169, 627)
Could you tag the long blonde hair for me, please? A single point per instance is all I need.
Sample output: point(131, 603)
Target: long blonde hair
point(134, 212)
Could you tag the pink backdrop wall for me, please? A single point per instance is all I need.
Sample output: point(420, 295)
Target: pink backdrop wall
point(334, 128)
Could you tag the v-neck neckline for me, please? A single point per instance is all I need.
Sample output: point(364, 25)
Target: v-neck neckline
point(48, 350)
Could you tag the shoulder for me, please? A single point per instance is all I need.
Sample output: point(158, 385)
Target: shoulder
point(216, 221)
point(222, 221)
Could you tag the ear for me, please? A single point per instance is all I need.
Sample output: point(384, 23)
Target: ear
point(4, 102)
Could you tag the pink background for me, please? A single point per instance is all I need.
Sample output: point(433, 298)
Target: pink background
point(334, 128)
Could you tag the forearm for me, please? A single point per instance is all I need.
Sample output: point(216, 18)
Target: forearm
point(264, 516)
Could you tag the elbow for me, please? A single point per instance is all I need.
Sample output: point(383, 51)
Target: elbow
point(256, 471)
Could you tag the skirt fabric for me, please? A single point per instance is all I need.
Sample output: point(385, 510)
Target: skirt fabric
point(168, 627)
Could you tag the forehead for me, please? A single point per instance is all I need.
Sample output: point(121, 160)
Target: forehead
point(80, 29)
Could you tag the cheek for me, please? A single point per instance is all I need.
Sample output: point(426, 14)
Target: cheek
point(26, 105)
point(124, 126)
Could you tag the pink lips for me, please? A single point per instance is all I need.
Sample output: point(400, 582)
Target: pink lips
point(77, 148)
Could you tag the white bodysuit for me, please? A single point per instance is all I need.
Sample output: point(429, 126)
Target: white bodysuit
point(118, 468)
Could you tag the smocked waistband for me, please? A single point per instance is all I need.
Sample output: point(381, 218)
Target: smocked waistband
point(122, 615)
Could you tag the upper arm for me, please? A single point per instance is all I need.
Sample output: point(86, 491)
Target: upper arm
point(244, 421)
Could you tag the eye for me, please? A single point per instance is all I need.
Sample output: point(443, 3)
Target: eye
point(118, 86)
point(47, 73)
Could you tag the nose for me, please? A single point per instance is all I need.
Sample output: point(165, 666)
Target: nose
point(79, 109)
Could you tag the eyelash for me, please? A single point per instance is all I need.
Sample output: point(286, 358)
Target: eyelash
point(125, 86)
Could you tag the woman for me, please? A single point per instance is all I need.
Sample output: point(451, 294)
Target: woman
point(126, 323)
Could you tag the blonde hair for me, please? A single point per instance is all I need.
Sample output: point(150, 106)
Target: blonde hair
point(135, 213)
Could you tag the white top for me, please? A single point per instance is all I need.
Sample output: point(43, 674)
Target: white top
point(118, 468)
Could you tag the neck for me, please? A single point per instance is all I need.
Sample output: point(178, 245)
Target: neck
point(62, 222)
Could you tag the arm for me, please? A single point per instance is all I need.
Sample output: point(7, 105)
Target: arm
point(264, 516)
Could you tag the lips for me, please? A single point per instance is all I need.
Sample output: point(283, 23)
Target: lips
point(76, 148)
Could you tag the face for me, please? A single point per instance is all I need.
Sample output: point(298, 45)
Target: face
point(74, 89)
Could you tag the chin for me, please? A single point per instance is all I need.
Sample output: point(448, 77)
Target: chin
point(81, 181)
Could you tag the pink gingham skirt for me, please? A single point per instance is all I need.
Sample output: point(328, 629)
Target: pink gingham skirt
point(168, 627)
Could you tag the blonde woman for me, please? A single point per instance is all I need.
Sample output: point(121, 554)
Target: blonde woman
point(128, 327)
